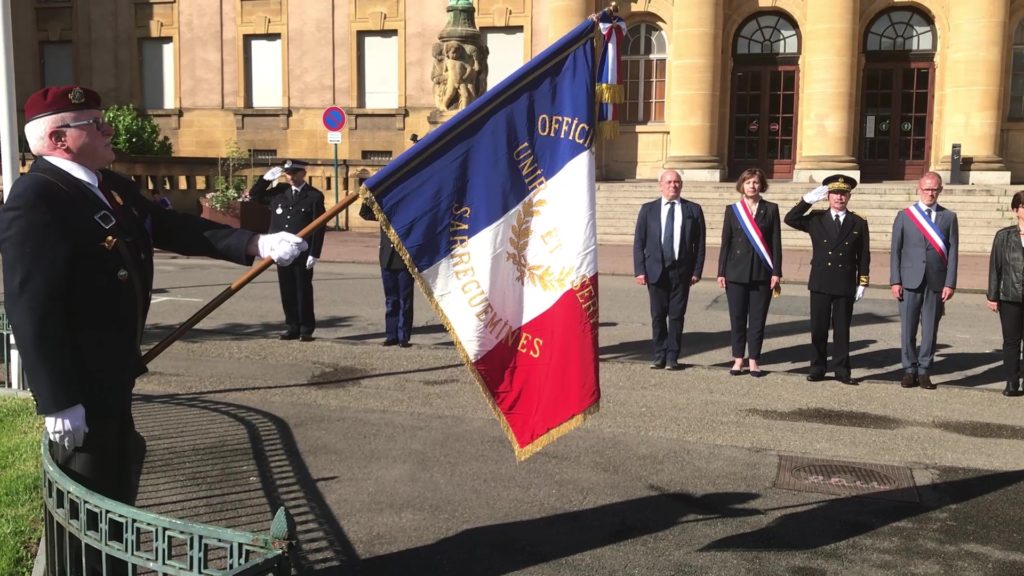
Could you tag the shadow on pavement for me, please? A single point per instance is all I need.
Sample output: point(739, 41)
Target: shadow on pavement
point(845, 518)
point(233, 466)
point(511, 546)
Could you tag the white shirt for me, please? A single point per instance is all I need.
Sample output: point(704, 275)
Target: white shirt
point(80, 172)
point(842, 215)
point(677, 222)
point(922, 206)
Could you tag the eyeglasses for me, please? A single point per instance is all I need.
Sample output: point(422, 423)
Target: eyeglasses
point(97, 121)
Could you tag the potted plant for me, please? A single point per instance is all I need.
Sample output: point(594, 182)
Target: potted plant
point(229, 202)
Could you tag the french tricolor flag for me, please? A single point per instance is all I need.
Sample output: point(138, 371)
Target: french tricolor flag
point(494, 214)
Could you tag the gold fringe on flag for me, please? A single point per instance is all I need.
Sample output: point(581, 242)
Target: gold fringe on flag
point(608, 129)
point(609, 93)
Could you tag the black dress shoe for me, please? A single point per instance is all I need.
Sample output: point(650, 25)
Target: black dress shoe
point(758, 373)
point(735, 372)
point(657, 365)
point(287, 336)
point(389, 342)
point(925, 381)
point(673, 366)
point(1012, 390)
point(846, 379)
point(306, 338)
point(404, 344)
point(909, 380)
point(815, 377)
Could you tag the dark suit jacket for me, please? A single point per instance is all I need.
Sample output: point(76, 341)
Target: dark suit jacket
point(77, 293)
point(647, 240)
point(839, 261)
point(388, 256)
point(737, 260)
point(288, 215)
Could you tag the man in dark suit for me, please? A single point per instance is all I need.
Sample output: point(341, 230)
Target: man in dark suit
point(668, 258)
point(922, 276)
point(840, 261)
point(398, 289)
point(294, 204)
point(78, 275)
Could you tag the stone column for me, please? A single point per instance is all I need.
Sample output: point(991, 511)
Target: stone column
point(564, 15)
point(827, 112)
point(972, 87)
point(694, 72)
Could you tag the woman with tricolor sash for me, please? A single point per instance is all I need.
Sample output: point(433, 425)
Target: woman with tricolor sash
point(1006, 292)
point(750, 267)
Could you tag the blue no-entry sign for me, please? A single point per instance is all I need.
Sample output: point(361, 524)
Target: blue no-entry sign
point(334, 118)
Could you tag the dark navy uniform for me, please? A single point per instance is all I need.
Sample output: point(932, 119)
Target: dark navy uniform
point(78, 275)
point(840, 261)
point(291, 212)
point(398, 288)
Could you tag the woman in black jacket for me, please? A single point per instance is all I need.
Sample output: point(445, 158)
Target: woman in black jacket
point(1005, 277)
point(750, 266)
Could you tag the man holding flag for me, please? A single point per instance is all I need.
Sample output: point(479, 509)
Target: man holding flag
point(494, 214)
point(922, 276)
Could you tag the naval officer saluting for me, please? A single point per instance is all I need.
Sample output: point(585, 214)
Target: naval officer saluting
point(294, 204)
point(839, 270)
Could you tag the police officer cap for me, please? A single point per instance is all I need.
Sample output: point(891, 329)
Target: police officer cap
point(56, 99)
point(840, 183)
point(294, 165)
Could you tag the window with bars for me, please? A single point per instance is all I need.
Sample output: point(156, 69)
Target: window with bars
point(644, 58)
point(1017, 75)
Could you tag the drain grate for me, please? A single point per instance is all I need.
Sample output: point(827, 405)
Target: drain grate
point(841, 478)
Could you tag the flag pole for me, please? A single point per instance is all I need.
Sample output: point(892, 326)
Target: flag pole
point(8, 108)
point(238, 284)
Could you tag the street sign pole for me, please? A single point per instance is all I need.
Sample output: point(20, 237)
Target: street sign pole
point(337, 185)
point(334, 120)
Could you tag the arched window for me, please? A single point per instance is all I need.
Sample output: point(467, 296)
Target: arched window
point(901, 30)
point(1017, 75)
point(644, 57)
point(767, 34)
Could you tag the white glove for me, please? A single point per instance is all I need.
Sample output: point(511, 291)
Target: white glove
point(310, 262)
point(273, 174)
point(283, 247)
point(860, 294)
point(817, 194)
point(67, 427)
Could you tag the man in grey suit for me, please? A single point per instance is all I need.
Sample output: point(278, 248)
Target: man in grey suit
point(922, 275)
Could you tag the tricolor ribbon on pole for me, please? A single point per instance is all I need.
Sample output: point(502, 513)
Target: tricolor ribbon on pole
point(929, 230)
point(609, 85)
point(494, 213)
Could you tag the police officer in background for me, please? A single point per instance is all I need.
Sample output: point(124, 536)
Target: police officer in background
point(294, 204)
point(839, 271)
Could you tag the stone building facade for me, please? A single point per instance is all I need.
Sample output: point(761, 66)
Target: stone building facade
point(881, 89)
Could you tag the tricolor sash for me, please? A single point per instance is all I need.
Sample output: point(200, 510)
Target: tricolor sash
point(929, 230)
point(753, 233)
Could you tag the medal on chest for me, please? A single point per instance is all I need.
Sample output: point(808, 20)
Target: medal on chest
point(280, 210)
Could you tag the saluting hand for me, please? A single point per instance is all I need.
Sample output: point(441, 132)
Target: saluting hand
point(816, 195)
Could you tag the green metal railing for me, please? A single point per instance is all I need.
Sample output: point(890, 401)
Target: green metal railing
point(12, 372)
point(87, 533)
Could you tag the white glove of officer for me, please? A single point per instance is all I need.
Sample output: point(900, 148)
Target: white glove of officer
point(67, 427)
point(273, 174)
point(283, 247)
point(817, 194)
point(310, 262)
point(860, 294)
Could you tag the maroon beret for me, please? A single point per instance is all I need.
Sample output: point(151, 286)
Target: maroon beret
point(57, 99)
